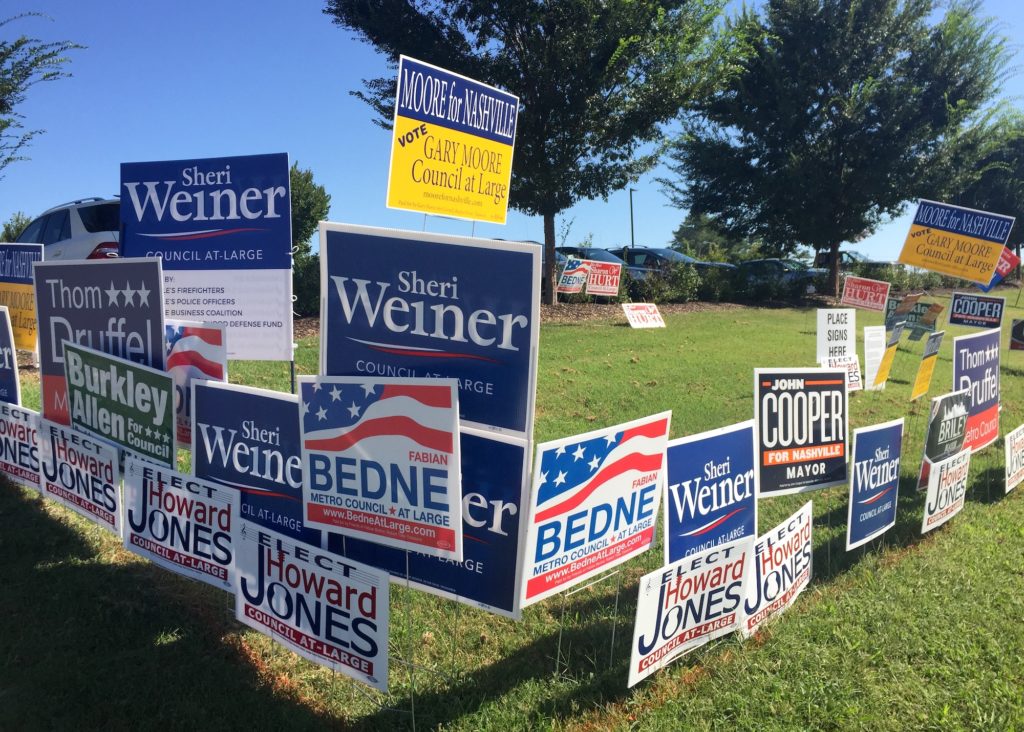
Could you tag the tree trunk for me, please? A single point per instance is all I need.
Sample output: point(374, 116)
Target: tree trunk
point(549, 259)
point(833, 270)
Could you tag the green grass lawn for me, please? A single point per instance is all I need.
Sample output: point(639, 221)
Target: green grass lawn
point(904, 633)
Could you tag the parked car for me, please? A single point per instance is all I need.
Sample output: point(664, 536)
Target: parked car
point(601, 255)
point(89, 228)
point(854, 262)
point(784, 273)
point(662, 258)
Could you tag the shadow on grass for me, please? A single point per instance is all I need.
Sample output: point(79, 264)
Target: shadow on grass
point(91, 645)
point(988, 486)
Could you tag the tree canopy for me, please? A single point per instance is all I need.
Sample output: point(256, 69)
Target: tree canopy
point(24, 62)
point(596, 79)
point(841, 113)
point(310, 204)
point(14, 226)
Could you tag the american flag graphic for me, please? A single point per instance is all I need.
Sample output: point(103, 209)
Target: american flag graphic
point(194, 351)
point(571, 476)
point(596, 479)
point(405, 428)
point(574, 276)
point(340, 416)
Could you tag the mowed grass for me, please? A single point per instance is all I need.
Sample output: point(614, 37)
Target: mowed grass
point(904, 633)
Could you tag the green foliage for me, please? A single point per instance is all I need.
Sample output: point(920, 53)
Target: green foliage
point(595, 81)
point(998, 181)
point(24, 62)
point(679, 283)
point(310, 204)
point(14, 226)
point(835, 117)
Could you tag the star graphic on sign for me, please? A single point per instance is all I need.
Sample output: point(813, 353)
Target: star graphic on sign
point(578, 453)
point(594, 463)
point(543, 478)
point(129, 294)
point(610, 439)
point(321, 414)
point(112, 294)
point(353, 410)
point(149, 432)
point(305, 408)
point(560, 451)
point(143, 295)
point(368, 389)
point(316, 386)
point(335, 394)
point(560, 479)
point(392, 510)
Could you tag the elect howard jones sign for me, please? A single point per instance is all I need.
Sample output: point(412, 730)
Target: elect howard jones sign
point(406, 304)
point(207, 217)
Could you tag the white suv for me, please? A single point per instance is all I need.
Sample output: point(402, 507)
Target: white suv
point(85, 229)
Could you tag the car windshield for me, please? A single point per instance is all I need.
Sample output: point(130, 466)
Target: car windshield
point(794, 264)
point(674, 256)
point(601, 255)
point(102, 217)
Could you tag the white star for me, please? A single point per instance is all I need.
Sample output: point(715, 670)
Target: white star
point(129, 294)
point(335, 394)
point(316, 386)
point(610, 439)
point(149, 432)
point(594, 463)
point(578, 453)
point(321, 414)
point(143, 295)
point(353, 410)
point(305, 408)
point(560, 451)
point(560, 479)
point(543, 478)
point(112, 294)
point(368, 389)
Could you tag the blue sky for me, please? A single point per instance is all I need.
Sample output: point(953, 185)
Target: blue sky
point(189, 79)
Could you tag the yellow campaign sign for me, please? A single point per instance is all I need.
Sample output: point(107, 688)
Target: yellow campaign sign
point(451, 154)
point(923, 382)
point(17, 291)
point(886, 366)
point(890, 355)
point(956, 241)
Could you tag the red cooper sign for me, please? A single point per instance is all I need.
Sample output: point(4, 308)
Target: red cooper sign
point(861, 292)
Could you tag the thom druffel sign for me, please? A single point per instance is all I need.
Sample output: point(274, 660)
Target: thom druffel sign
point(113, 306)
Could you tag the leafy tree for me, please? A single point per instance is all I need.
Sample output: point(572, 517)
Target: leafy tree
point(14, 226)
point(310, 204)
point(700, 237)
point(24, 62)
point(997, 184)
point(595, 79)
point(835, 117)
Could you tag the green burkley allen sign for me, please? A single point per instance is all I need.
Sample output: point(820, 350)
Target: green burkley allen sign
point(121, 401)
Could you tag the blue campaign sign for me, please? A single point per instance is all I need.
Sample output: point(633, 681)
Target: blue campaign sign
point(976, 368)
point(874, 487)
point(431, 94)
point(711, 490)
point(208, 213)
point(408, 304)
point(493, 501)
point(10, 389)
point(249, 439)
